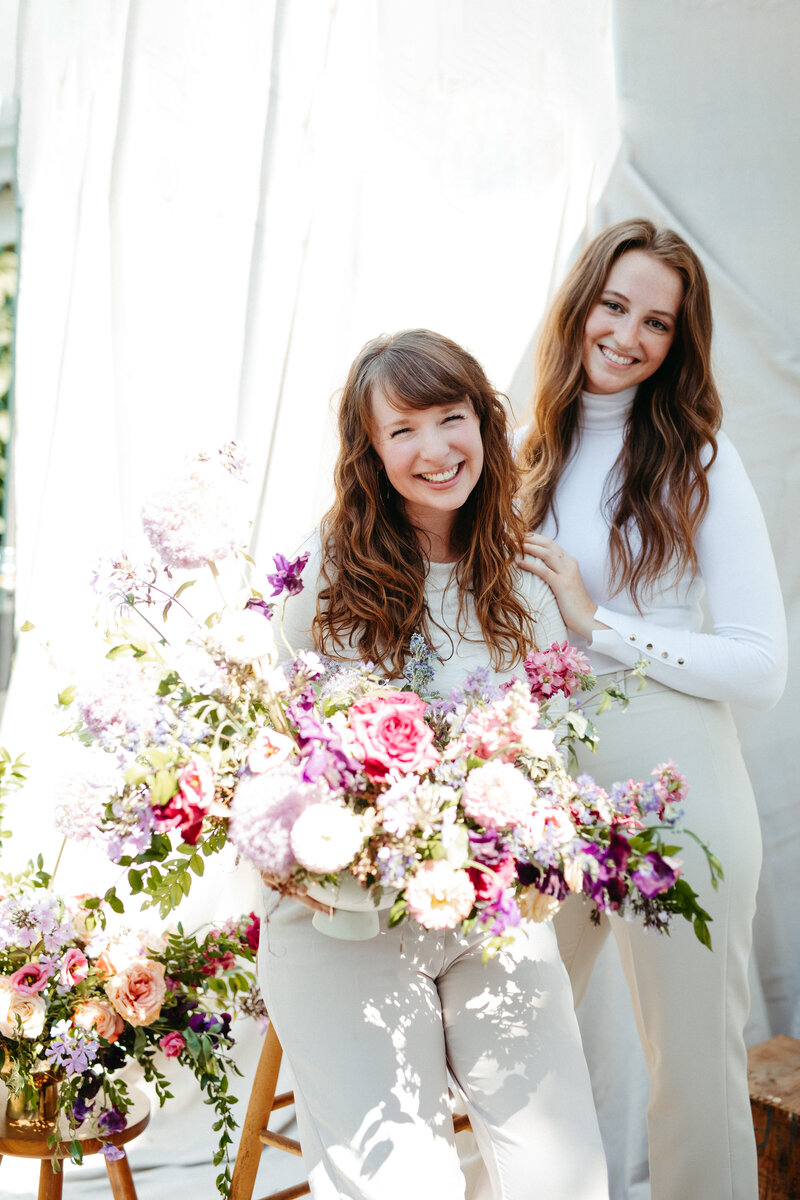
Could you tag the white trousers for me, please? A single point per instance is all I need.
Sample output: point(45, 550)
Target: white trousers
point(690, 1004)
point(370, 1030)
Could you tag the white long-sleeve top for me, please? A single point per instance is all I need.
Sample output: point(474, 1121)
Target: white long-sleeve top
point(745, 659)
point(460, 655)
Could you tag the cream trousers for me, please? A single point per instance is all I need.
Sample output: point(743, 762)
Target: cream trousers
point(371, 1029)
point(690, 1004)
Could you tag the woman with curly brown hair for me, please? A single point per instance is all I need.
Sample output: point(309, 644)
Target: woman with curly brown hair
point(423, 538)
point(641, 507)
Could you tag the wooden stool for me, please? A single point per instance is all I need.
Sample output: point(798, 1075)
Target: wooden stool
point(30, 1141)
point(255, 1134)
point(774, 1075)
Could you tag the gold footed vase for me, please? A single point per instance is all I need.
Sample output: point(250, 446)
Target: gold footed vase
point(18, 1112)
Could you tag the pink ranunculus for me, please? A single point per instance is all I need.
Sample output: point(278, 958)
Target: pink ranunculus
point(30, 1009)
point(98, 1017)
point(390, 731)
point(30, 979)
point(137, 992)
point(74, 967)
point(172, 1043)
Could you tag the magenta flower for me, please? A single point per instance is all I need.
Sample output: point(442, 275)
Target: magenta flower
point(560, 669)
point(286, 577)
point(655, 874)
point(172, 1044)
point(30, 978)
point(74, 967)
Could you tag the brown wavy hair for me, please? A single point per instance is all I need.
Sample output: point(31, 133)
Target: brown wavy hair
point(373, 595)
point(658, 486)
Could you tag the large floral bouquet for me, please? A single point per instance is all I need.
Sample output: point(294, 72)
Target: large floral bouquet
point(460, 809)
point(81, 996)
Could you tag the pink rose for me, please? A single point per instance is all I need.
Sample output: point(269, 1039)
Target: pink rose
point(99, 1017)
point(172, 1044)
point(74, 967)
point(137, 992)
point(30, 979)
point(389, 731)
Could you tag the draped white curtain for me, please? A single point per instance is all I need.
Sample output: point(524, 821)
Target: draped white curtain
point(222, 202)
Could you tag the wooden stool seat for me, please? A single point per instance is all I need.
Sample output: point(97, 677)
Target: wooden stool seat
point(30, 1141)
point(256, 1134)
point(774, 1077)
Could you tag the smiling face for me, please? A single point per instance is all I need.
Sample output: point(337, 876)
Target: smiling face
point(433, 457)
point(631, 325)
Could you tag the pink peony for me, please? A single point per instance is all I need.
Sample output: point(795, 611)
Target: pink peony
point(74, 967)
point(497, 796)
point(137, 992)
point(390, 732)
point(490, 882)
point(172, 1043)
point(97, 1016)
point(439, 895)
point(30, 979)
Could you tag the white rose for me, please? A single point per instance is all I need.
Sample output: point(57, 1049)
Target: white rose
point(325, 838)
point(30, 1009)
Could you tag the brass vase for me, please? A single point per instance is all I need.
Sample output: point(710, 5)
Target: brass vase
point(44, 1112)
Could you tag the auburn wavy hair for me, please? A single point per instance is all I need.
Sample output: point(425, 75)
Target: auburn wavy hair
point(658, 486)
point(373, 589)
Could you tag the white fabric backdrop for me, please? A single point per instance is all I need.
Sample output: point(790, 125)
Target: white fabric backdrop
point(221, 203)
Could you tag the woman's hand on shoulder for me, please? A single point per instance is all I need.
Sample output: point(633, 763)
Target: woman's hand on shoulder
point(547, 560)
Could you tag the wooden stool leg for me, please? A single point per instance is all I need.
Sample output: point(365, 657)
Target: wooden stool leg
point(120, 1178)
point(249, 1155)
point(50, 1182)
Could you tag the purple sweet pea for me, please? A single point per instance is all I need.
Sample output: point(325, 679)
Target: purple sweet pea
point(610, 887)
point(111, 1121)
point(654, 875)
point(261, 606)
point(287, 574)
point(81, 1110)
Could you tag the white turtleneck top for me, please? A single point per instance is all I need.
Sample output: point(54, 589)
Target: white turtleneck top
point(744, 659)
point(461, 651)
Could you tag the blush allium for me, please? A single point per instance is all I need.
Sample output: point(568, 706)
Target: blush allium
point(439, 896)
point(326, 837)
point(497, 796)
point(263, 813)
point(200, 517)
point(120, 706)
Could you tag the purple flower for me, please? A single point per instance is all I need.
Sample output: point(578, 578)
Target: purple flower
point(654, 874)
point(489, 847)
point(500, 914)
point(81, 1110)
point(111, 1121)
point(287, 574)
point(262, 606)
point(112, 1153)
point(608, 886)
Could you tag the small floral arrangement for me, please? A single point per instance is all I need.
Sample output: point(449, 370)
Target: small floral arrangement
point(462, 808)
point(81, 996)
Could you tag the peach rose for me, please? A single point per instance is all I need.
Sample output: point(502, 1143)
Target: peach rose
point(137, 992)
point(30, 1009)
point(534, 905)
point(98, 1017)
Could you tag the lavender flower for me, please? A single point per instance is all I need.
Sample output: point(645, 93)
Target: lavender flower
point(111, 1121)
point(200, 517)
point(70, 1049)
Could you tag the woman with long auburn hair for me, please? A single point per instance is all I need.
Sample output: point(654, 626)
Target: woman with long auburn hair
point(423, 538)
point(641, 511)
